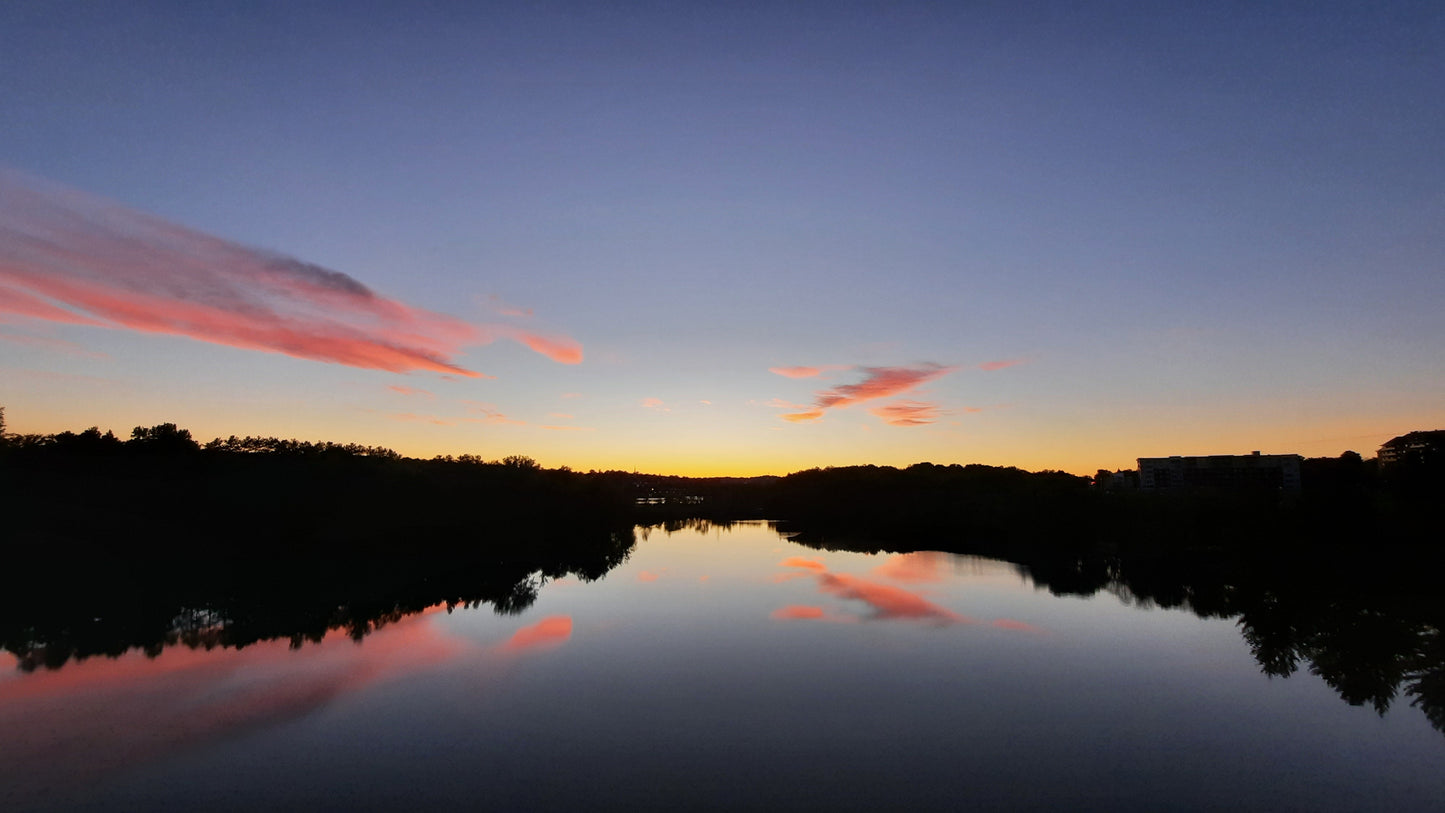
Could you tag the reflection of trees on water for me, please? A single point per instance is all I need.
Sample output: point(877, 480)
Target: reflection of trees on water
point(1372, 633)
point(1370, 654)
point(1371, 642)
point(301, 599)
point(696, 524)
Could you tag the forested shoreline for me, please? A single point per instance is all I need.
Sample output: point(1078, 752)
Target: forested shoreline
point(158, 540)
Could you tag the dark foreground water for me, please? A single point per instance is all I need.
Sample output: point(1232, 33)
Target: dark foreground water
point(724, 669)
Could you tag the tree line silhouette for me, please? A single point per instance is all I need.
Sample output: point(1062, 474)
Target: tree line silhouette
point(158, 540)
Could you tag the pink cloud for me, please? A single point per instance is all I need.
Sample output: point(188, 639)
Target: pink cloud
point(990, 366)
point(881, 382)
point(878, 382)
point(563, 416)
point(497, 304)
point(799, 561)
point(806, 372)
point(19, 303)
point(69, 257)
point(404, 390)
point(648, 576)
point(655, 404)
point(907, 413)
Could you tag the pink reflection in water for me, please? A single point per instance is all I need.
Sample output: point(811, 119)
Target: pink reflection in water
point(797, 611)
point(887, 601)
point(923, 566)
point(548, 632)
point(100, 714)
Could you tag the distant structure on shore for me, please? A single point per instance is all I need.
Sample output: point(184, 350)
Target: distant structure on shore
point(1414, 449)
point(1224, 472)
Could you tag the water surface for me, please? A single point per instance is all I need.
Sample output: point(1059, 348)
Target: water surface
point(721, 668)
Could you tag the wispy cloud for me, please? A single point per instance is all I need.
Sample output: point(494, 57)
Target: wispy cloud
point(907, 413)
point(881, 382)
point(878, 382)
point(488, 414)
point(806, 372)
point(656, 404)
point(49, 343)
point(990, 366)
point(411, 417)
point(803, 417)
point(496, 303)
point(404, 390)
point(561, 416)
point(70, 257)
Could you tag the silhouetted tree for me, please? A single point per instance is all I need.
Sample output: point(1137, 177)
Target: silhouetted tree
point(165, 438)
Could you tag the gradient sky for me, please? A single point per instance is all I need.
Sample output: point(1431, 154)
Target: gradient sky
point(729, 238)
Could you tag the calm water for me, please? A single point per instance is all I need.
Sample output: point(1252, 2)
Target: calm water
point(723, 669)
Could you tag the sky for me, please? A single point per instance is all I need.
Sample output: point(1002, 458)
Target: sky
point(728, 238)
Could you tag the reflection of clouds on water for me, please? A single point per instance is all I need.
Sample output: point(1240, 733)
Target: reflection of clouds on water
point(101, 714)
point(923, 566)
point(798, 611)
point(887, 602)
point(1012, 624)
point(549, 632)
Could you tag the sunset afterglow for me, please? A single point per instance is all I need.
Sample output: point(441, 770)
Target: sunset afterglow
point(728, 241)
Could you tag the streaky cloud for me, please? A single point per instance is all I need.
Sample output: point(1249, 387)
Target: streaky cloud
point(505, 308)
point(804, 371)
point(881, 382)
point(70, 257)
point(411, 417)
point(404, 390)
point(907, 413)
point(803, 417)
point(990, 366)
point(878, 382)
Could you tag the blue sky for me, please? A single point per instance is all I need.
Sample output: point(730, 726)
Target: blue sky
point(1196, 228)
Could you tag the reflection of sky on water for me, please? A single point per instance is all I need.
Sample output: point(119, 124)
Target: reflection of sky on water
point(690, 676)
